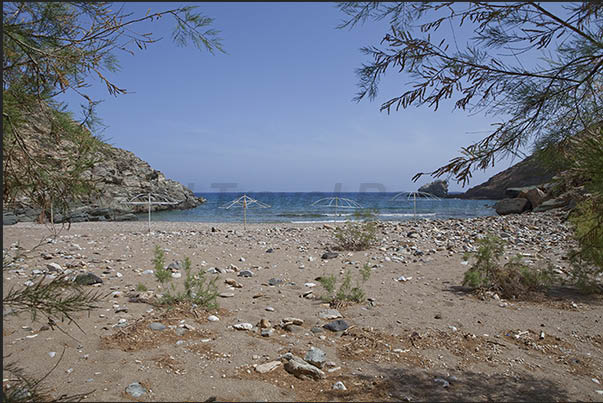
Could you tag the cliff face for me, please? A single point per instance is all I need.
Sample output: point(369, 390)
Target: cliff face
point(118, 176)
point(525, 173)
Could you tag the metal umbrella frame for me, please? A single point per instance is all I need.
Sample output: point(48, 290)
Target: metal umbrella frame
point(245, 202)
point(152, 199)
point(414, 196)
point(337, 202)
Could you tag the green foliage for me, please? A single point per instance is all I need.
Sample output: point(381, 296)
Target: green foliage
point(197, 290)
point(357, 235)
point(141, 287)
point(162, 274)
point(346, 292)
point(512, 280)
point(52, 48)
point(545, 103)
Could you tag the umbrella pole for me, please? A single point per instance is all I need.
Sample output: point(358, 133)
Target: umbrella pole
point(245, 213)
point(149, 212)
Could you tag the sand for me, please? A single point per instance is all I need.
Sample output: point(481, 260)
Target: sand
point(425, 338)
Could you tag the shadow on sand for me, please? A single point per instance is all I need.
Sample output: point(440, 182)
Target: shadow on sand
point(420, 385)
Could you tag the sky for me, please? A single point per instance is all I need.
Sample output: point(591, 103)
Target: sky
point(276, 112)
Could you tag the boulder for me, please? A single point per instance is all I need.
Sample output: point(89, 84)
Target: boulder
point(301, 369)
point(512, 206)
point(551, 204)
point(316, 357)
point(88, 279)
point(9, 219)
point(534, 195)
point(517, 191)
point(437, 188)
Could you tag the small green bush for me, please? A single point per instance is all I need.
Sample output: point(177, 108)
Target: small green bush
point(161, 273)
point(197, 289)
point(346, 292)
point(357, 235)
point(514, 279)
point(141, 287)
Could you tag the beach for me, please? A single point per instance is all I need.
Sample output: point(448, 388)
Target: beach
point(418, 336)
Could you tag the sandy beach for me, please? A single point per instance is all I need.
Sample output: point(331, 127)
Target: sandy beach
point(419, 336)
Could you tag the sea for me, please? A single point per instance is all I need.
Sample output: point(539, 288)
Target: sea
point(323, 207)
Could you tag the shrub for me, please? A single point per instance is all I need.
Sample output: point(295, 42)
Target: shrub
point(161, 273)
point(357, 235)
point(346, 292)
point(514, 279)
point(141, 287)
point(197, 289)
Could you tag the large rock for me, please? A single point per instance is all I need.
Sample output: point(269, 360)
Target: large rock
point(525, 173)
point(552, 204)
point(9, 219)
point(512, 206)
point(301, 369)
point(534, 195)
point(437, 188)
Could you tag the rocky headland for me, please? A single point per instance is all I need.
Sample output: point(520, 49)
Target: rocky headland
point(117, 175)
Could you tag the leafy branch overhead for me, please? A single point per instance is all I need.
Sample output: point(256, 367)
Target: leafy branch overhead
point(542, 102)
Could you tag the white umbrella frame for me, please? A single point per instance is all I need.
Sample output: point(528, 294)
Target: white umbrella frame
point(337, 202)
point(245, 202)
point(150, 202)
point(413, 196)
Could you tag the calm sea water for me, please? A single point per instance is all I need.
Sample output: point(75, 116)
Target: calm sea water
point(296, 207)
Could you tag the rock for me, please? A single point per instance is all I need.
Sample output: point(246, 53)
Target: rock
point(316, 329)
point(294, 321)
point(329, 255)
point(267, 332)
point(517, 191)
point(291, 328)
point(437, 188)
point(316, 357)
point(148, 271)
point(88, 279)
point(535, 196)
point(442, 382)
point(301, 369)
point(339, 386)
point(125, 217)
point(243, 326)
point(175, 265)
point(329, 314)
point(267, 367)
point(226, 295)
point(269, 309)
point(213, 318)
point(54, 267)
point(135, 390)
point(233, 283)
point(525, 173)
point(551, 204)
point(9, 219)
point(264, 324)
point(269, 250)
point(275, 281)
point(245, 273)
point(512, 206)
point(413, 234)
point(157, 326)
point(337, 325)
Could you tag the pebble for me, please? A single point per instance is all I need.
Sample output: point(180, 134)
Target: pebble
point(149, 271)
point(310, 285)
point(88, 279)
point(329, 314)
point(267, 367)
point(339, 386)
point(226, 295)
point(275, 281)
point(442, 382)
point(135, 390)
point(329, 255)
point(54, 267)
point(243, 326)
point(316, 357)
point(157, 326)
point(267, 332)
point(269, 309)
point(245, 273)
point(336, 325)
point(213, 318)
point(52, 354)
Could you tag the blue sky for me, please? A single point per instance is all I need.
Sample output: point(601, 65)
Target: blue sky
point(276, 112)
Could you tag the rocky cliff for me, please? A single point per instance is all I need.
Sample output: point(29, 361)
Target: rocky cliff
point(118, 176)
point(525, 173)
